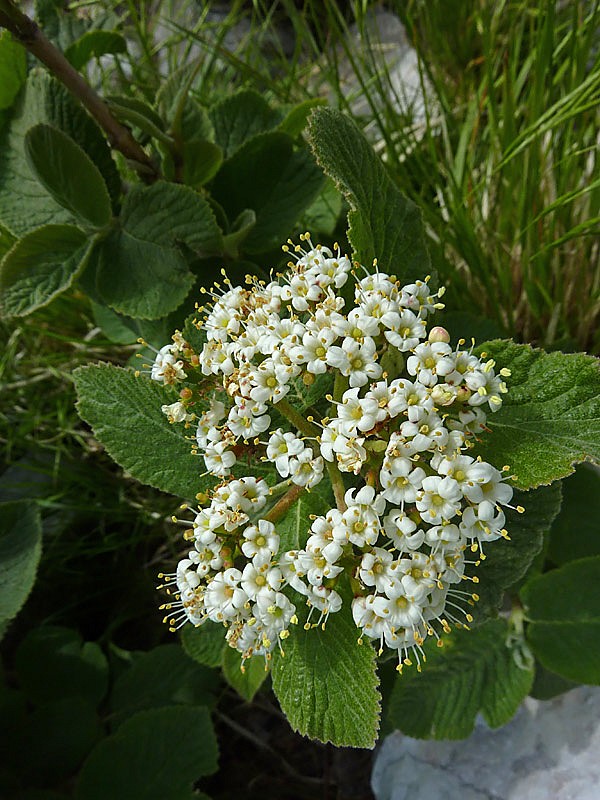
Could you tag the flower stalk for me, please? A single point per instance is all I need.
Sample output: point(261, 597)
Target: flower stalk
point(27, 33)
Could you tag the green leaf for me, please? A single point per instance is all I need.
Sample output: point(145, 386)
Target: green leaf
point(201, 161)
point(55, 739)
point(13, 68)
point(154, 755)
point(323, 214)
point(267, 175)
point(24, 202)
point(125, 414)
point(550, 418)
point(383, 224)
point(40, 266)
point(563, 609)
point(6, 241)
point(296, 118)
point(138, 269)
point(294, 527)
point(54, 662)
point(575, 533)
point(241, 117)
point(476, 671)
point(547, 685)
point(20, 551)
point(239, 232)
point(136, 112)
point(113, 325)
point(507, 562)
point(68, 174)
point(327, 683)
point(94, 44)
point(248, 682)
point(165, 676)
point(205, 644)
point(466, 325)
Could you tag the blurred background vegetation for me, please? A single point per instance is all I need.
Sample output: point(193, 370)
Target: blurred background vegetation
point(486, 115)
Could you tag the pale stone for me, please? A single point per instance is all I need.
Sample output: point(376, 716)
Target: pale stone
point(548, 750)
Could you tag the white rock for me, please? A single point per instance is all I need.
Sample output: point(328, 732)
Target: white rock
point(549, 751)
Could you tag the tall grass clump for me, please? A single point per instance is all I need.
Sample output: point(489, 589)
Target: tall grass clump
point(503, 158)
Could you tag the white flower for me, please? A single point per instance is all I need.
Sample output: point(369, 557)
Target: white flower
point(306, 470)
point(281, 447)
point(403, 532)
point(355, 413)
point(224, 598)
point(407, 332)
point(375, 569)
point(248, 419)
point(405, 440)
point(260, 540)
point(401, 480)
point(167, 368)
point(439, 499)
point(356, 361)
point(219, 459)
point(313, 350)
point(259, 580)
point(176, 412)
point(425, 359)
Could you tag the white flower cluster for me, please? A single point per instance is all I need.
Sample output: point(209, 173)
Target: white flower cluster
point(404, 409)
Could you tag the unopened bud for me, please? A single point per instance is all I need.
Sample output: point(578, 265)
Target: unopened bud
point(463, 393)
point(185, 394)
point(443, 395)
point(308, 379)
point(438, 334)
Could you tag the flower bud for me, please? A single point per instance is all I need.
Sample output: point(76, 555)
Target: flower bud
point(443, 395)
point(438, 334)
point(463, 393)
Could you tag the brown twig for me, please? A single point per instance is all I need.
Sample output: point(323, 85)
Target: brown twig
point(26, 31)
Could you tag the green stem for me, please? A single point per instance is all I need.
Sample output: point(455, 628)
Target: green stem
point(339, 386)
point(300, 423)
point(337, 482)
point(25, 31)
point(280, 508)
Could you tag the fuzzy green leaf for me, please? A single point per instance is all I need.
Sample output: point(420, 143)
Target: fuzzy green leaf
point(40, 266)
point(68, 174)
point(550, 418)
point(55, 662)
point(248, 682)
point(575, 533)
point(327, 683)
point(138, 269)
point(323, 214)
point(563, 609)
point(205, 644)
point(94, 44)
point(13, 68)
point(507, 562)
point(24, 202)
point(476, 671)
point(138, 113)
point(20, 551)
point(383, 223)
point(201, 161)
point(269, 176)
point(154, 755)
point(163, 676)
point(296, 118)
point(125, 414)
point(239, 118)
point(294, 527)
